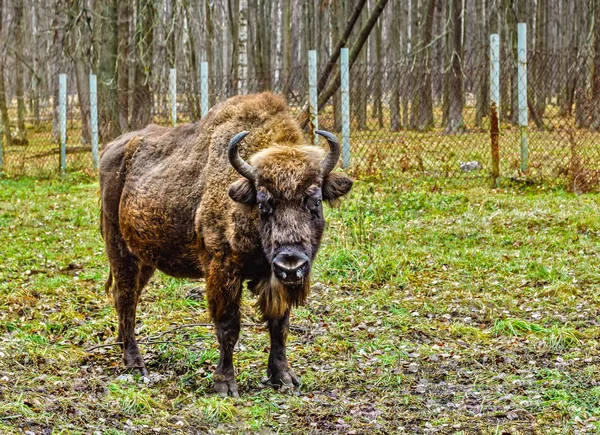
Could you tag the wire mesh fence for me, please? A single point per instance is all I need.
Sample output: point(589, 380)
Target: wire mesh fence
point(415, 116)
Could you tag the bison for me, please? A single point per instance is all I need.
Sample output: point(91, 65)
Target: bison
point(172, 199)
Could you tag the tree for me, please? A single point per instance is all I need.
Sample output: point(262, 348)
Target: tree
point(108, 92)
point(243, 48)
point(483, 83)
point(3, 105)
point(422, 104)
point(79, 45)
point(286, 64)
point(125, 11)
point(595, 103)
point(453, 89)
point(397, 51)
point(19, 75)
point(141, 110)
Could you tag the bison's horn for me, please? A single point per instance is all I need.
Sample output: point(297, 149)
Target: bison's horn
point(245, 169)
point(334, 151)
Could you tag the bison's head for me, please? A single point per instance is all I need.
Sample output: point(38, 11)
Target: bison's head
point(288, 184)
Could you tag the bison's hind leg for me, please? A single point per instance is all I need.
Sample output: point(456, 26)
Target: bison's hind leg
point(128, 280)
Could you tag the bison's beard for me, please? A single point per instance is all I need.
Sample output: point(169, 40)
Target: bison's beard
point(275, 298)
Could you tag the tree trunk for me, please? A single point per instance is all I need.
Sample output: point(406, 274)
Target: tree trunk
point(171, 18)
point(378, 63)
point(243, 48)
point(3, 106)
point(141, 111)
point(80, 49)
point(35, 82)
point(210, 49)
point(483, 82)
point(455, 121)
point(262, 44)
point(125, 10)
point(595, 103)
point(396, 75)
point(58, 45)
point(108, 95)
point(19, 76)
point(336, 17)
point(423, 102)
point(83, 92)
point(286, 64)
point(538, 64)
point(233, 9)
point(361, 85)
point(193, 91)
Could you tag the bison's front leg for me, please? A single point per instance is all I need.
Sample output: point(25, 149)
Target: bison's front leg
point(223, 290)
point(278, 369)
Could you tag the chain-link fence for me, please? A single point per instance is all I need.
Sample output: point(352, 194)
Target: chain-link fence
point(422, 115)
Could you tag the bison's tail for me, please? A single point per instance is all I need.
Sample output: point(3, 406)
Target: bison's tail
point(109, 282)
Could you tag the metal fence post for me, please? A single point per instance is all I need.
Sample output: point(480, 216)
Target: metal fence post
point(345, 94)
point(62, 101)
point(203, 88)
point(94, 119)
point(522, 91)
point(495, 69)
point(312, 93)
point(173, 94)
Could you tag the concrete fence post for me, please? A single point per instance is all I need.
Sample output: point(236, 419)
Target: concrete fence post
point(173, 94)
point(345, 94)
point(62, 102)
point(312, 93)
point(94, 118)
point(522, 91)
point(495, 69)
point(495, 106)
point(204, 88)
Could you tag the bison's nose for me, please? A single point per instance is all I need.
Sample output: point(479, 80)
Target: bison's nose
point(291, 267)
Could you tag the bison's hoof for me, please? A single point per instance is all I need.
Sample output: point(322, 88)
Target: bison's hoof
point(225, 385)
point(283, 378)
point(135, 365)
point(137, 371)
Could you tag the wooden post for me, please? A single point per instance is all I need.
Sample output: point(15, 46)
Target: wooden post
point(94, 119)
point(312, 93)
point(494, 132)
point(345, 94)
point(522, 91)
point(62, 102)
point(173, 94)
point(203, 88)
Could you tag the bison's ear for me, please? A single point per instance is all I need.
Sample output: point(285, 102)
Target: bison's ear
point(336, 185)
point(243, 191)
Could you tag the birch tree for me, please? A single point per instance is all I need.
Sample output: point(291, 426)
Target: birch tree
point(243, 48)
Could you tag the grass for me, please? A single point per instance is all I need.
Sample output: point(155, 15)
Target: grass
point(436, 308)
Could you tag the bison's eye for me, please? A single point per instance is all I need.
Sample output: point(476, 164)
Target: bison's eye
point(264, 208)
point(313, 204)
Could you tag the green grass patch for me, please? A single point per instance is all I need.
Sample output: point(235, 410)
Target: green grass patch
point(469, 309)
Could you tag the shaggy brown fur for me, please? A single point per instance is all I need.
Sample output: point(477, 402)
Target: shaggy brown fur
point(172, 201)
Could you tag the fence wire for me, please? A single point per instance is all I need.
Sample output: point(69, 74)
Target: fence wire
point(413, 116)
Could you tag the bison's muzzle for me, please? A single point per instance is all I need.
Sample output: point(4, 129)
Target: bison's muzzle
point(291, 265)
